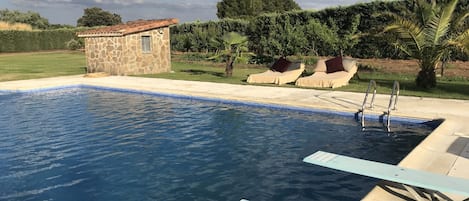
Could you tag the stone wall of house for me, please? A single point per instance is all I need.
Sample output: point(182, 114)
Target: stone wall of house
point(105, 54)
point(156, 61)
point(125, 56)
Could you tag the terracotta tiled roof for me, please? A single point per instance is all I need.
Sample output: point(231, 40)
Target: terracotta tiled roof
point(128, 28)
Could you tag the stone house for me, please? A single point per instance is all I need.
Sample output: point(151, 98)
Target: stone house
point(137, 47)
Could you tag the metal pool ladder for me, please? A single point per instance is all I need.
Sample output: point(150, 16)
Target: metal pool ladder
point(362, 110)
point(392, 104)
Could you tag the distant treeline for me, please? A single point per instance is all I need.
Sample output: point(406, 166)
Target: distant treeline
point(324, 32)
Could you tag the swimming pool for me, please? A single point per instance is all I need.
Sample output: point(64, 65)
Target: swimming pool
point(89, 144)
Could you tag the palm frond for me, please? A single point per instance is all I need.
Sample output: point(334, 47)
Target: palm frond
point(234, 38)
point(438, 26)
point(408, 31)
point(410, 51)
point(436, 29)
point(459, 21)
point(461, 41)
point(424, 10)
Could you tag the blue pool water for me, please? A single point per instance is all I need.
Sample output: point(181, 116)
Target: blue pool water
point(88, 144)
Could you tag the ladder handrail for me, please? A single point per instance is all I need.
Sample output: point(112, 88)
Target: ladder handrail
point(392, 102)
point(372, 83)
point(362, 110)
point(394, 96)
point(395, 92)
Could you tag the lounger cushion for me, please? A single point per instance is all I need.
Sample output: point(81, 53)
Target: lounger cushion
point(321, 66)
point(349, 64)
point(334, 65)
point(279, 78)
point(281, 65)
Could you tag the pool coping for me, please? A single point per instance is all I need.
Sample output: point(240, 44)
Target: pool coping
point(445, 150)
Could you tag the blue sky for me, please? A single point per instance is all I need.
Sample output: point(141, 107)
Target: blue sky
point(68, 11)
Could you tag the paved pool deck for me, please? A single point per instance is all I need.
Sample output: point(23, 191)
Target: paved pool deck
point(445, 151)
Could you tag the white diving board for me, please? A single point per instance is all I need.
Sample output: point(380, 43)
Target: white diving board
point(411, 177)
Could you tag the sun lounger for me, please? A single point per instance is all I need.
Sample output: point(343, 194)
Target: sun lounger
point(408, 177)
point(322, 79)
point(273, 77)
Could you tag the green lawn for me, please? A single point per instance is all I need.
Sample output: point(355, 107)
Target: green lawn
point(38, 65)
point(445, 88)
point(20, 66)
point(207, 73)
point(215, 73)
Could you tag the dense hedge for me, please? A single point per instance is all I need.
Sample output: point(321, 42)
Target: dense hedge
point(373, 45)
point(284, 35)
point(27, 41)
point(323, 32)
point(298, 32)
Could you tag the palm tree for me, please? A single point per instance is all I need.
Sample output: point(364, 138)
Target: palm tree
point(235, 46)
point(428, 34)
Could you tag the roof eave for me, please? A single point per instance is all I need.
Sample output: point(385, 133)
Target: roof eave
point(99, 35)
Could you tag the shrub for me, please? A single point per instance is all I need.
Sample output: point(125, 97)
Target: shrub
point(74, 44)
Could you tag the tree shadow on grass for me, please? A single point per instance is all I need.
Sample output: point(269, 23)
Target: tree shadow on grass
point(201, 72)
point(458, 88)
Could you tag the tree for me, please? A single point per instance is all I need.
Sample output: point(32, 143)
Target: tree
point(235, 46)
point(428, 33)
point(98, 17)
point(251, 8)
point(31, 18)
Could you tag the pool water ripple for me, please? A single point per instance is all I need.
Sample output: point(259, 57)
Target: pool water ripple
point(84, 144)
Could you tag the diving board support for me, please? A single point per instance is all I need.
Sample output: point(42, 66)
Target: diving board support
point(405, 176)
